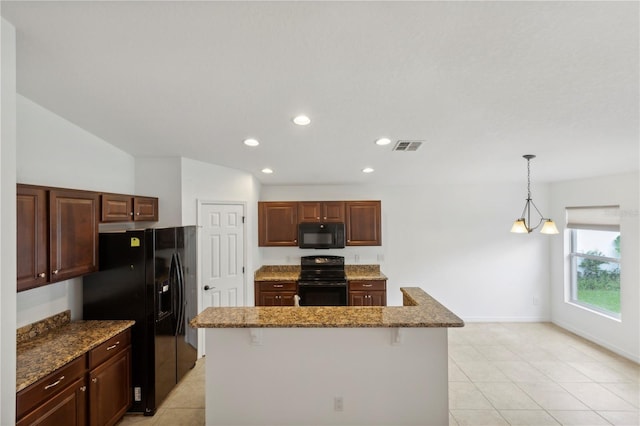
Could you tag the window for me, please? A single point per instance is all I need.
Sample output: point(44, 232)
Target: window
point(595, 258)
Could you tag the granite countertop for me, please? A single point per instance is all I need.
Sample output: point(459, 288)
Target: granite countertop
point(292, 273)
point(45, 353)
point(419, 310)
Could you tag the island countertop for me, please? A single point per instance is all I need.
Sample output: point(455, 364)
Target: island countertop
point(419, 310)
point(42, 355)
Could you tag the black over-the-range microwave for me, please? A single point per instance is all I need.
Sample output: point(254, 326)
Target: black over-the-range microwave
point(321, 235)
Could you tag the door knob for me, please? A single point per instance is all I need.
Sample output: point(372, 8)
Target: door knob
point(206, 287)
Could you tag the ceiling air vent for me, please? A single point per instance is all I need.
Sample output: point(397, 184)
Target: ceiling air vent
point(407, 145)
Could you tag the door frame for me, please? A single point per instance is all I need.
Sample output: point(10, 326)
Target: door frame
point(199, 218)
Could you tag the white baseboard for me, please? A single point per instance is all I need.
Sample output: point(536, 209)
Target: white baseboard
point(506, 319)
point(613, 348)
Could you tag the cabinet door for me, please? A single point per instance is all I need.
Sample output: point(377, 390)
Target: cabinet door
point(145, 209)
point(32, 248)
point(363, 223)
point(309, 211)
point(377, 298)
point(325, 211)
point(68, 407)
point(110, 389)
point(73, 219)
point(116, 208)
point(277, 223)
point(333, 211)
point(357, 298)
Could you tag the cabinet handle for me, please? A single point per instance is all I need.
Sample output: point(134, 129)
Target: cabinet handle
point(113, 346)
point(94, 380)
point(367, 285)
point(278, 285)
point(83, 388)
point(130, 213)
point(318, 217)
point(54, 384)
point(55, 272)
point(138, 214)
point(42, 275)
point(325, 218)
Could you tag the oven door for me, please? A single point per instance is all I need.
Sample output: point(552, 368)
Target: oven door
point(322, 294)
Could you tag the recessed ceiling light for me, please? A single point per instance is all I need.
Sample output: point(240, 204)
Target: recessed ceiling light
point(383, 141)
point(367, 170)
point(302, 120)
point(267, 170)
point(251, 142)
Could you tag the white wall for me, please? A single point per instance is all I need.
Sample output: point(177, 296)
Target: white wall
point(7, 223)
point(161, 177)
point(52, 151)
point(55, 152)
point(451, 240)
point(623, 337)
point(209, 182)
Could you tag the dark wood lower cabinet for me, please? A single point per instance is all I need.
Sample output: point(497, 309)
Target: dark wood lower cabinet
point(368, 293)
point(65, 408)
point(93, 389)
point(275, 293)
point(110, 390)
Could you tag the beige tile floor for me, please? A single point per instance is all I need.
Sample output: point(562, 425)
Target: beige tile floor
point(499, 374)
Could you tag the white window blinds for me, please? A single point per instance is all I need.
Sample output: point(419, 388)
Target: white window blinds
point(600, 218)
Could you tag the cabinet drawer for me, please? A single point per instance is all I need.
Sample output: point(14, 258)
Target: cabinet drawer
point(278, 286)
point(367, 285)
point(109, 348)
point(50, 385)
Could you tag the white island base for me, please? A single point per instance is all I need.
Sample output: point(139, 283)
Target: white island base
point(326, 376)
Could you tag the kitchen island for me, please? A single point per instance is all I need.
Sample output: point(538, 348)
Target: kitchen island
point(328, 365)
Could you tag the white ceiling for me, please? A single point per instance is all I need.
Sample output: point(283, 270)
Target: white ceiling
point(481, 82)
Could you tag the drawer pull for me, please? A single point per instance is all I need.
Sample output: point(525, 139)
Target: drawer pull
point(367, 285)
point(94, 380)
point(83, 388)
point(54, 384)
point(42, 275)
point(278, 285)
point(113, 346)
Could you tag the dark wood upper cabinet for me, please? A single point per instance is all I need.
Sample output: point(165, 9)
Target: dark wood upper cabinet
point(125, 208)
point(277, 223)
point(362, 223)
point(32, 239)
point(116, 208)
point(145, 209)
point(321, 211)
point(278, 220)
point(73, 233)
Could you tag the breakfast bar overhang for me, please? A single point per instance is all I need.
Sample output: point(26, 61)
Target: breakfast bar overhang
point(328, 365)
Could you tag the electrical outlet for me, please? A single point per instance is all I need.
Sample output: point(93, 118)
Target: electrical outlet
point(338, 403)
point(137, 393)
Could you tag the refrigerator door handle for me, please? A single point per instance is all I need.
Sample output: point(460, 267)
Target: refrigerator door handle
point(173, 279)
point(181, 296)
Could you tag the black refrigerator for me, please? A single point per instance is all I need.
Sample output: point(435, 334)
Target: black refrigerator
point(149, 276)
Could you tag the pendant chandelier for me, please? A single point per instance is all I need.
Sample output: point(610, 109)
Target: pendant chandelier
point(523, 224)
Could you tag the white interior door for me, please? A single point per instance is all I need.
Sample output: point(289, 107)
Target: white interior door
point(222, 254)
